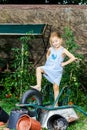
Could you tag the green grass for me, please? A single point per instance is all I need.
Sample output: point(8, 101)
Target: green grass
point(80, 124)
point(8, 104)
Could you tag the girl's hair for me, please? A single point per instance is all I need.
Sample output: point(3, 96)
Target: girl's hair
point(54, 34)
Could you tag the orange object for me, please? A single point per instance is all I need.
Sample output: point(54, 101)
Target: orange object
point(33, 98)
point(23, 123)
point(35, 125)
point(8, 95)
point(27, 123)
point(2, 123)
point(70, 103)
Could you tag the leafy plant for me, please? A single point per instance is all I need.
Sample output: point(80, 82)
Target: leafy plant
point(74, 71)
point(19, 80)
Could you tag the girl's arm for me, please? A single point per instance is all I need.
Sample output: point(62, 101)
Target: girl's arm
point(48, 53)
point(71, 57)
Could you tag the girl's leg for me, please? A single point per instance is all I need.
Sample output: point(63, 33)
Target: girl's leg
point(56, 92)
point(39, 72)
point(39, 76)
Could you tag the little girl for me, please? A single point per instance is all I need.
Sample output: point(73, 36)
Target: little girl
point(53, 68)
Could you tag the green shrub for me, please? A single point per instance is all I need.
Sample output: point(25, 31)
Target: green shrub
point(20, 79)
point(74, 72)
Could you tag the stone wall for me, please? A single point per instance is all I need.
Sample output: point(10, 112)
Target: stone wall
point(59, 16)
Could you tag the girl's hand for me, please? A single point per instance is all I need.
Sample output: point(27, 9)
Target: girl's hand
point(68, 62)
point(62, 64)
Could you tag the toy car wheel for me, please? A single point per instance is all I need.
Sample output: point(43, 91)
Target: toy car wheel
point(57, 122)
point(60, 124)
point(32, 97)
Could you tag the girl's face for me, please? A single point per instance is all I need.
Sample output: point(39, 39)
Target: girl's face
point(56, 42)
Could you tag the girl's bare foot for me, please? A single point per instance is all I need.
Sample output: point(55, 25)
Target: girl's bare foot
point(36, 87)
point(6, 129)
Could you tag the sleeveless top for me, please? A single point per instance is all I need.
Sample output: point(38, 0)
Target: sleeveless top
point(52, 68)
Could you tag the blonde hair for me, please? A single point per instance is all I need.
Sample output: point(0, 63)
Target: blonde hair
point(55, 34)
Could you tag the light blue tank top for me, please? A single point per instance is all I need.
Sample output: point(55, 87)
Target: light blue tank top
point(55, 59)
